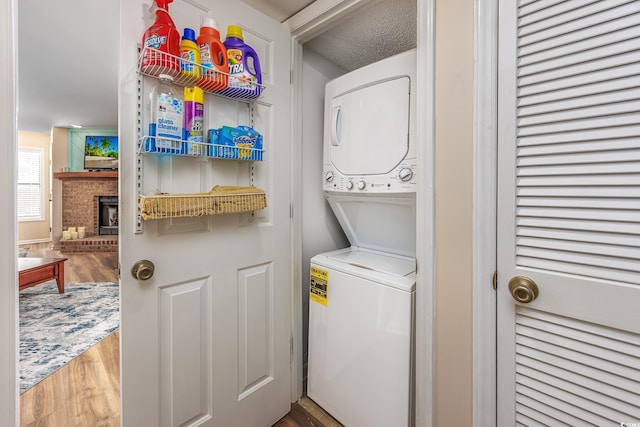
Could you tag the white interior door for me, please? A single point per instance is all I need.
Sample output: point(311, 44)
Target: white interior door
point(206, 340)
point(569, 212)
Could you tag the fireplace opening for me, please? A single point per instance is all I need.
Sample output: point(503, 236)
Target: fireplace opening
point(107, 215)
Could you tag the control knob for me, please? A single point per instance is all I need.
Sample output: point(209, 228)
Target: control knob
point(361, 185)
point(405, 174)
point(328, 176)
point(349, 185)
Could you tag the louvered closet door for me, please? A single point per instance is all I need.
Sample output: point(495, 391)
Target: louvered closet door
point(569, 212)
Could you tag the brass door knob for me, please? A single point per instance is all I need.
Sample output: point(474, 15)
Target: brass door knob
point(143, 270)
point(523, 289)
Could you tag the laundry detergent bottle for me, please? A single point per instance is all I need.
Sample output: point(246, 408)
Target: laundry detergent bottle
point(161, 44)
point(189, 57)
point(213, 56)
point(245, 77)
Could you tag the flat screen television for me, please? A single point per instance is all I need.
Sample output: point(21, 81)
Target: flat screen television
point(100, 152)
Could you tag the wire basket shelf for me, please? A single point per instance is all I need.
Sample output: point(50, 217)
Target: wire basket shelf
point(180, 147)
point(161, 206)
point(153, 63)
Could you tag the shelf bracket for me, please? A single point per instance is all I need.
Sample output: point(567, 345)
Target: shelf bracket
point(139, 227)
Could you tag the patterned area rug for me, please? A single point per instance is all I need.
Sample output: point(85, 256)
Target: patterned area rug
point(55, 328)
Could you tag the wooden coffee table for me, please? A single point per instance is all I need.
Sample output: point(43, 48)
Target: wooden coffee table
point(33, 271)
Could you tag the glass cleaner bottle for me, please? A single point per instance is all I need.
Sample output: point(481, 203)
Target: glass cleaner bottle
point(165, 124)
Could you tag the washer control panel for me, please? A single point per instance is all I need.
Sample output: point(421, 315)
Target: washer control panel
point(402, 179)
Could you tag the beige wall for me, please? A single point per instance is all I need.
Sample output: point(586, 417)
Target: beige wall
point(454, 58)
point(37, 231)
point(59, 161)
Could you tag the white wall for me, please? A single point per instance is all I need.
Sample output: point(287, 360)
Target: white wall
point(320, 229)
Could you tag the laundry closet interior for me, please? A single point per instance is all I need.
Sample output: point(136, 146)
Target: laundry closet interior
point(369, 36)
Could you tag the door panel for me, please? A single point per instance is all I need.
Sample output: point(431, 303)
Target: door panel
point(185, 375)
point(568, 213)
point(255, 314)
point(206, 340)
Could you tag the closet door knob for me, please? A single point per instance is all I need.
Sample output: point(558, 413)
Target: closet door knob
point(143, 270)
point(523, 289)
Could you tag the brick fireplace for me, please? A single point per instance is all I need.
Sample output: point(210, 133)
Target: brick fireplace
point(81, 192)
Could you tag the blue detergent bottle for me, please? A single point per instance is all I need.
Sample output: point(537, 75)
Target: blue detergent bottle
point(245, 77)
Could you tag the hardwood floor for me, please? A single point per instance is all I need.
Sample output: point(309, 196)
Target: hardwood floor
point(86, 391)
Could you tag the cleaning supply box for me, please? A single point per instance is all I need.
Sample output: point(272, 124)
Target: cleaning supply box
point(240, 143)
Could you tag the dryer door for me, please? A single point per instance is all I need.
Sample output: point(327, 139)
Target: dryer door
point(369, 128)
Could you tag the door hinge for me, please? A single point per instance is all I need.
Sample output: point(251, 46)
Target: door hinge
point(495, 280)
point(291, 351)
point(117, 271)
point(290, 76)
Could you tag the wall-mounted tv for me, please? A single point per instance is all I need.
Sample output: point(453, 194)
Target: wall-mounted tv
point(100, 152)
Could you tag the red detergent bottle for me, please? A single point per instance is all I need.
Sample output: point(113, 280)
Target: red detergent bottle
point(161, 44)
point(213, 56)
point(245, 78)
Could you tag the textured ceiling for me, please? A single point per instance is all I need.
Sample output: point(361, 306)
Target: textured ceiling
point(383, 29)
point(279, 10)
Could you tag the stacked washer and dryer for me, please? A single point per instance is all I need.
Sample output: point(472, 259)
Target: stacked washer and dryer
point(361, 313)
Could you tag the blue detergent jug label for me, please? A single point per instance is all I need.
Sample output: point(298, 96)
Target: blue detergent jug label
point(169, 124)
point(239, 77)
point(188, 61)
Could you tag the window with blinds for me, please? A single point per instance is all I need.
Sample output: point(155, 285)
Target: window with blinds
point(30, 191)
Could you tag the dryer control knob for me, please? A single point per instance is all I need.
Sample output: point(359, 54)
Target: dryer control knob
point(328, 176)
point(361, 185)
point(349, 185)
point(405, 174)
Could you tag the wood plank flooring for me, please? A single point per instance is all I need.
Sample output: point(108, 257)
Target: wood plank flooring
point(86, 391)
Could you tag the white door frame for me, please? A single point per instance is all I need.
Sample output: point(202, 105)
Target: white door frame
point(485, 212)
point(305, 25)
point(9, 395)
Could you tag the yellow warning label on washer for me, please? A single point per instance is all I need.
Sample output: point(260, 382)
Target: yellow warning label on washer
point(319, 285)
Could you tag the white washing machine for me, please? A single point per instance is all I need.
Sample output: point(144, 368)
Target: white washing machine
point(362, 297)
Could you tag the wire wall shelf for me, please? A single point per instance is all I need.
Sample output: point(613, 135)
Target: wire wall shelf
point(179, 147)
point(153, 63)
point(220, 200)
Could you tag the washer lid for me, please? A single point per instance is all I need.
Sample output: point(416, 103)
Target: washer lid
point(369, 127)
point(377, 262)
point(381, 223)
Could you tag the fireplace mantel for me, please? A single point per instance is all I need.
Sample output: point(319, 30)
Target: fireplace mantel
point(86, 175)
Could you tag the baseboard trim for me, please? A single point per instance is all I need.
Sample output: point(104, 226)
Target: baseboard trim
point(33, 241)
